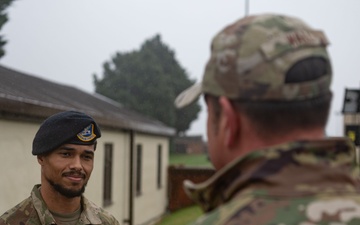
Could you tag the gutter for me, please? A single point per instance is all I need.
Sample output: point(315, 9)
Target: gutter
point(130, 219)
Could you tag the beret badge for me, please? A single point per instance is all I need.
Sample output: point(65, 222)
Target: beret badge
point(87, 134)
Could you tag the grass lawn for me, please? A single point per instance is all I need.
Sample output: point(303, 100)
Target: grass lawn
point(200, 160)
point(182, 216)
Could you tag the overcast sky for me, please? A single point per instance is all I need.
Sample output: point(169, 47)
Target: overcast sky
point(67, 41)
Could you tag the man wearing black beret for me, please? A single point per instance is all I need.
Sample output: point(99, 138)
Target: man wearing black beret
point(64, 145)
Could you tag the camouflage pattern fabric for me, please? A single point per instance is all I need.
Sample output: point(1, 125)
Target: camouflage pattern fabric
point(302, 183)
point(33, 211)
point(249, 60)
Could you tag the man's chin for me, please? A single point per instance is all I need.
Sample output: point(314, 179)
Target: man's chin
point(71, 193)
point(68, 192)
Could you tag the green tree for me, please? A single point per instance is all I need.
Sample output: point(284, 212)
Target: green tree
point(3, 19)
point(148, 81)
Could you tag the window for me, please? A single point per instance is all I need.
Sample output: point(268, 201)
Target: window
point(159, 166)
point(138, 169)
point(108, 174)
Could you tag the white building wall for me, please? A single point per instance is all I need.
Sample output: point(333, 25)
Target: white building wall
point(152, 202)
point(19, 169)
point(120, 171)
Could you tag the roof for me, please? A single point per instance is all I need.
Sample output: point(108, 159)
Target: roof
point(27, 96)
point(191, 138)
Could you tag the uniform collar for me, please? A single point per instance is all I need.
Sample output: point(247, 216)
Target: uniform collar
point(89, 215)
point(271, 171)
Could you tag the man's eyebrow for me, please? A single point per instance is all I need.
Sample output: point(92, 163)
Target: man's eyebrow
point(68, 148)
point(89, 152)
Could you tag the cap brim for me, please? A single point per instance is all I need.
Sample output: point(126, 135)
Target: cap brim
point(188, 96)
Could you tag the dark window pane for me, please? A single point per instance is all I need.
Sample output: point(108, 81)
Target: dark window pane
point(138, 169)
point(159, 166)
point(108, 174)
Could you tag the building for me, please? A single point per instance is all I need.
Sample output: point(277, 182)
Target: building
point(130, 161)
point(190, 145)
point(351, 112)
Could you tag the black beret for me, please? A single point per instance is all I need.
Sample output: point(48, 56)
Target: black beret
point(65, 127)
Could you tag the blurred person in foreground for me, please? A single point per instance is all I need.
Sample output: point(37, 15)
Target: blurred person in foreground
point(65, 145)
point(267, 91)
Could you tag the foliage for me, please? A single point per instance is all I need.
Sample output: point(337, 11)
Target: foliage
point(182, 216)
point(3, 19)
point(148, 81)
point(201, 160)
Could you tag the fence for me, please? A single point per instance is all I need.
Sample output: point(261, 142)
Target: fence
point(177, 196)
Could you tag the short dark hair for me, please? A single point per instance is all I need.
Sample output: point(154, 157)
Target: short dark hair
point(280, 117)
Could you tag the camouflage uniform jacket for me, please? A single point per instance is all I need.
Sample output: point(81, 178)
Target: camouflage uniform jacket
point(33, 211)
point(302, 183)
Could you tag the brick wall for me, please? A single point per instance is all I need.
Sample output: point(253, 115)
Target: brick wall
point(177, 196)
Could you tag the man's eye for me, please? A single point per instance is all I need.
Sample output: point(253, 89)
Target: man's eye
point(88, 157)
point(65, 154)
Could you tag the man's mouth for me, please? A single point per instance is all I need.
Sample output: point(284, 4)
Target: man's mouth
point(74, 176)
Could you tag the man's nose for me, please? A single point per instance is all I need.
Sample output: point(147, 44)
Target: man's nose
point(76, 163)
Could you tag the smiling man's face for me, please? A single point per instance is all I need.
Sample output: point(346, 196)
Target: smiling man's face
point(68, 168)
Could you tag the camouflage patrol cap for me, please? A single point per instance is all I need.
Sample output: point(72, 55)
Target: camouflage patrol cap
point(249, 60)
point(69, 127)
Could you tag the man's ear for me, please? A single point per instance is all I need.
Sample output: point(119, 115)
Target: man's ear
point(230, 122)
point(40, 159)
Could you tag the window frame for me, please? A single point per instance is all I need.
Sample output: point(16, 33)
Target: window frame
point(108, 172)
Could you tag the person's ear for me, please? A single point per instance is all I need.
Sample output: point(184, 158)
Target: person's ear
point(230, 122)
point(40, 159)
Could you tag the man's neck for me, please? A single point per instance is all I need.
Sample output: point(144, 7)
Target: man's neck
point(56, 202)
point(254, 143)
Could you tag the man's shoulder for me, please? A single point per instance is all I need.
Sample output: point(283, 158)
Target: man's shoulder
point(22, 213)
point(107, 218)
point(270, 210)
point(95, 212)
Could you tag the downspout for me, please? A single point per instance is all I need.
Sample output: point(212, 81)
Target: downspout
point(131, 180)
point(131, 186)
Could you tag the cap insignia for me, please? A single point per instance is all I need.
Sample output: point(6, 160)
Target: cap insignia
point(87, 134)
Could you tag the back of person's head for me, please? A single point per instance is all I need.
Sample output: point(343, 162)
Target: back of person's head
point(274, 68)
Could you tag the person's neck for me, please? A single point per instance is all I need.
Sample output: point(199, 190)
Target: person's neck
point(56, 202)
point(255, 142)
